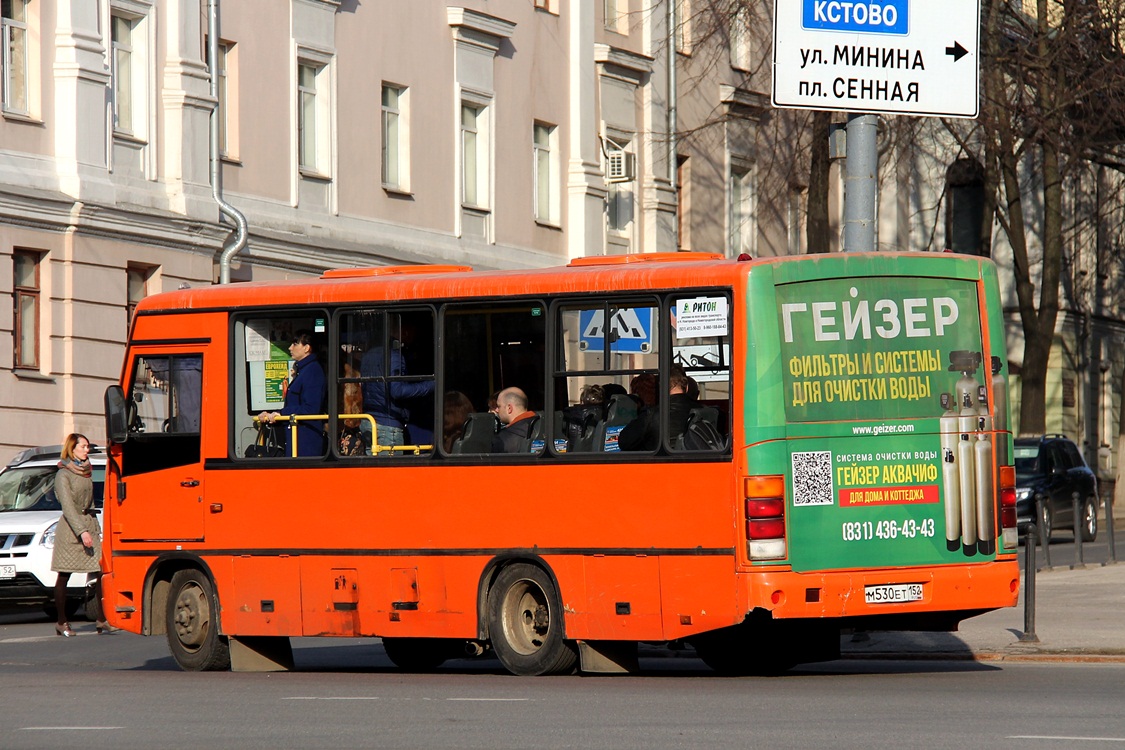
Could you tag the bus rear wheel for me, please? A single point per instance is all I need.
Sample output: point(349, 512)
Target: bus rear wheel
point(419, 654)
point(193, 625)
point(525, 623)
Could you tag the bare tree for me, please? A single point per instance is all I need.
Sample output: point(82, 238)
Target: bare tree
point(1053, 101)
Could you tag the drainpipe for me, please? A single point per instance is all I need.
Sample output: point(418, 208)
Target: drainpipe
point(672, 123)
point(237, 239)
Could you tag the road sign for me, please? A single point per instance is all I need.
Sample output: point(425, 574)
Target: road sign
point(631, 329)
point(911, 57)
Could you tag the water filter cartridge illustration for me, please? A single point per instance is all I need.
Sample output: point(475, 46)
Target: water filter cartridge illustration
point(951, 481)
point(985, 484)
point(966, 459)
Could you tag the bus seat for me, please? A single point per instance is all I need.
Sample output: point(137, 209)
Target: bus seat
point(702, 432)
point(559, 436)
point(535, 442)
point(622, 410)
point(580, 424)
point(480, 428)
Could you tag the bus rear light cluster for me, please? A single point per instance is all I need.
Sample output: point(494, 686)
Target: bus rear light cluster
point(765, 518)
point(1009, 536)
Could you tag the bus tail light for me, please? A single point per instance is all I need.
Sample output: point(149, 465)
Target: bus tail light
point(765, 518)
point(1009, 535)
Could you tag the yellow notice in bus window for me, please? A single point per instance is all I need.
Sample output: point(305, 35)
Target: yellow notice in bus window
point(701, 316)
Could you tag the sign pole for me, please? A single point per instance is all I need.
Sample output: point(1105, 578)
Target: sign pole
point(860, 186)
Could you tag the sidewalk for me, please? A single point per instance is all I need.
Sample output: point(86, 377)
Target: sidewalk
point(1079, 615)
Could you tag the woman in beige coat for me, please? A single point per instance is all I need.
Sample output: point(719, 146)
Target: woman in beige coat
point(77, 546)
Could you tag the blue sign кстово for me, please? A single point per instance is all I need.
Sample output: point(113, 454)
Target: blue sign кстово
point(872, 16)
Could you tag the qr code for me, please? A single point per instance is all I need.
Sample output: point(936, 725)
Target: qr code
point(812, 478)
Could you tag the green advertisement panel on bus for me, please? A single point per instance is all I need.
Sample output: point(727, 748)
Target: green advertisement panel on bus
point(890, 380)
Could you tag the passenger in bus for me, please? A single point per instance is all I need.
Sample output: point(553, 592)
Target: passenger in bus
point(517, 421)
point(455, 411)
point(387, 400)
point(643, 388)
point(643, 433)
point(307, 394)
point(352, 440)
point(494, 404)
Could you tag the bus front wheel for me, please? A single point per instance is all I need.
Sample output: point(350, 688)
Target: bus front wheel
point(193, 625)
point(525, 623)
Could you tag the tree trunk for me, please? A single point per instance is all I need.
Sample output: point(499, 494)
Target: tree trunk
point(817, 227)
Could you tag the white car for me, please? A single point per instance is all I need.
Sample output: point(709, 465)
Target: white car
point(29, 515)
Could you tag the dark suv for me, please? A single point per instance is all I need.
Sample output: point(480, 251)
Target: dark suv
point(1052, 466)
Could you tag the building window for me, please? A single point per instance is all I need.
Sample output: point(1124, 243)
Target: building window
point(26, 292)
point(740, 39)
point(683, 27)
point(796, 213)
point(615, 11)
point(13, 63)
point(306, 117)
point(619, 178)
point(136, 286)
point(223, 110)
point(121, 33)
point(547, 5)
point(396, 159)
point(545, 149)
point(683, 204)
point(313, 117)
point(743, 229)
point(964, 214)
point(474, 155)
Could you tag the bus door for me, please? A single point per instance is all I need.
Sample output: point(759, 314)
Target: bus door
point(161, 461)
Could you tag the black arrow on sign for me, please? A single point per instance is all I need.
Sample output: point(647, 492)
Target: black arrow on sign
point(957, 51)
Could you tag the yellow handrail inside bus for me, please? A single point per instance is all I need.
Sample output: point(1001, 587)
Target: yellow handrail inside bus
point(376, 449)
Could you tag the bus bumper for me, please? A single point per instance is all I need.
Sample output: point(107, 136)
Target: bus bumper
point(866, 597)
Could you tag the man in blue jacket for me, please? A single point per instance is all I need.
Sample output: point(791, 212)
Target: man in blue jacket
point(386, 399)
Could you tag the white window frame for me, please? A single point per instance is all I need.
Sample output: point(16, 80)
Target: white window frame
point(796, 212)
point(740, 40)
point(124, 82)
point(683, 26)
point(222, 79)
point(14, 60)
point(545, 167)
point(620, 194)
point(475, 171)
point(395, 135)
point(616, 12)
point(742, 206)
point(314, 100)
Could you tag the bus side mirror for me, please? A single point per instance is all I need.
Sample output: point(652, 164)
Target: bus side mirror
point(116, 419)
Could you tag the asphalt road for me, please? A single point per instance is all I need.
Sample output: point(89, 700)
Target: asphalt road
point(123, 691)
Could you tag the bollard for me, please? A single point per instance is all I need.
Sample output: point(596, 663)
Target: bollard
point(1109, 528)
point(1028, 635)
point(1044, 542)
point(1075, 501)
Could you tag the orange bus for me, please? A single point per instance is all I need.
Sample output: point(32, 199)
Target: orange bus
point(743, 455)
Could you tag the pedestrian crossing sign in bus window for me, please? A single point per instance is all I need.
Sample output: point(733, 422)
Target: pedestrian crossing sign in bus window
point(630, 329)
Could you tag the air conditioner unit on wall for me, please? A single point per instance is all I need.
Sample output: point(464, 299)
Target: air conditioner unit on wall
point(619, 166)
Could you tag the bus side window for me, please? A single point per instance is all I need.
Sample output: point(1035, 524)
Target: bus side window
point(701, 353)
point(386, 382)
point(487, 348)
point(164, 412)
point(263, 355)
point(603, 347)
